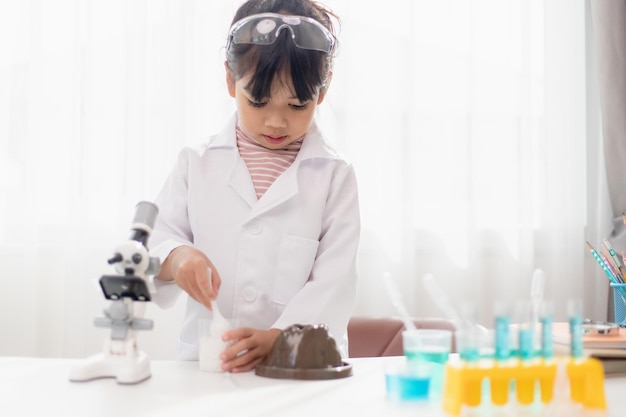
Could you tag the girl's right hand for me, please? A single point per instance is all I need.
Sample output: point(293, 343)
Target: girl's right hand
point(189, 268)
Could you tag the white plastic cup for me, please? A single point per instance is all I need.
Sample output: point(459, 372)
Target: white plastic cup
point(427, 345)
point(475, 344)
point(210, 343)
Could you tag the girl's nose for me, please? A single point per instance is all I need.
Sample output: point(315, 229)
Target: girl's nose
point(275, 119)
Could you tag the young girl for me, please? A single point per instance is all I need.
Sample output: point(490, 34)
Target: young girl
point(267, 205)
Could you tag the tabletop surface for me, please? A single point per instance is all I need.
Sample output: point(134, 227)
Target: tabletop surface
point(40, 386)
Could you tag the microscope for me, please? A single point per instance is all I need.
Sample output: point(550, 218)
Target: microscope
point(129, 293)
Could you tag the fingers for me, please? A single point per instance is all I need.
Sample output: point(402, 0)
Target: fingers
point(242, 353)
point(248, 350)
point(245, 360)
point(248, 366)
point(204, 291)
point(238, 334)
point(196, 275)
point(216, 281)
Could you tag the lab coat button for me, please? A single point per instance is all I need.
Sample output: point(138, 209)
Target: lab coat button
point(248, 294)
point(255, 227)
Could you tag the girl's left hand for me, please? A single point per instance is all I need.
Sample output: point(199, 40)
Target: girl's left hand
point(249, 347)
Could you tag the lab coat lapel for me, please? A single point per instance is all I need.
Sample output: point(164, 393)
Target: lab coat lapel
point(283, 188)
point(286, 185)
point(241, 183)
point(237, 174)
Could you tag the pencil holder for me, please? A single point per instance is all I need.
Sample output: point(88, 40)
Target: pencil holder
point(619, 302)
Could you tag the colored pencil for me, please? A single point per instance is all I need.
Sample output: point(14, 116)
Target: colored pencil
point(616, 261)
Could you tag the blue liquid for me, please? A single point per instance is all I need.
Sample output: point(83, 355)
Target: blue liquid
point(421, 355)
point(474, 354)
point(433, 360)
point(470, 354)
point(546, 338)
point(526, 347)
point(406, 387)
point(503, 348)
point(576, 337)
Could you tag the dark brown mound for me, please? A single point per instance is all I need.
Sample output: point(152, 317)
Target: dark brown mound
point(304, 347)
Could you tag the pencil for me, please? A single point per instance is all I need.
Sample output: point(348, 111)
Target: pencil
point(613, 270)
point(616, 262)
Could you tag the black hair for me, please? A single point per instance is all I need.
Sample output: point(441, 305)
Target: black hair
point(309, 69)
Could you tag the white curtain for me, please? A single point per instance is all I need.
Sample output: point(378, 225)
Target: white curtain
point(468, 122)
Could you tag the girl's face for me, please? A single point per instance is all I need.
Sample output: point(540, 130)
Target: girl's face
point(277, 121)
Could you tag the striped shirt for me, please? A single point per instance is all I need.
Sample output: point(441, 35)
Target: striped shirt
point(265, 165)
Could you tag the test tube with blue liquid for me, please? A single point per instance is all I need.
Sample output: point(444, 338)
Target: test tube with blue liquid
point(537, 287)
point(526, 330)
point(575, 314)
point(502, 336)
point(500, 388)
point(528, 390)
point(546, 318)
point(467, 335)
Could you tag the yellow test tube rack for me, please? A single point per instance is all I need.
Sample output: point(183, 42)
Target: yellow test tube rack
point(463, 383)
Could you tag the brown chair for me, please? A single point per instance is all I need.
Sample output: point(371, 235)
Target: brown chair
point(382, 336)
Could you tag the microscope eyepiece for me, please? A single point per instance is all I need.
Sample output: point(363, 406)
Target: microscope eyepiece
point(143, 222)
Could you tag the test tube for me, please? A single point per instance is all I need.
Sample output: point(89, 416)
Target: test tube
point(467, 336)
point(500, 387)
point(546, 319)
point(502, 337)
point(575, 314)
point(525, 337)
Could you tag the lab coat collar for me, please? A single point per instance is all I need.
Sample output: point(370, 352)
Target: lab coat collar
point(313, 146)
point(286, 185)
point(227, 137)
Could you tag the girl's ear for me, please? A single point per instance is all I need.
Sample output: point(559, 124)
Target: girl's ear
point(230, 80)
point(324, 89)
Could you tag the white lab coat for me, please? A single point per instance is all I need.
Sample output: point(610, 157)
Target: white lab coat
point(288, 258)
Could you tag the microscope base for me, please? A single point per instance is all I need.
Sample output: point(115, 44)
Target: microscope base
point(127, 369)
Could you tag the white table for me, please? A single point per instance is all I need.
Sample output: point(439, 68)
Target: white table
point(40, 387)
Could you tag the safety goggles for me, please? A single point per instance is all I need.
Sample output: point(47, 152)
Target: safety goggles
point(264, 28)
